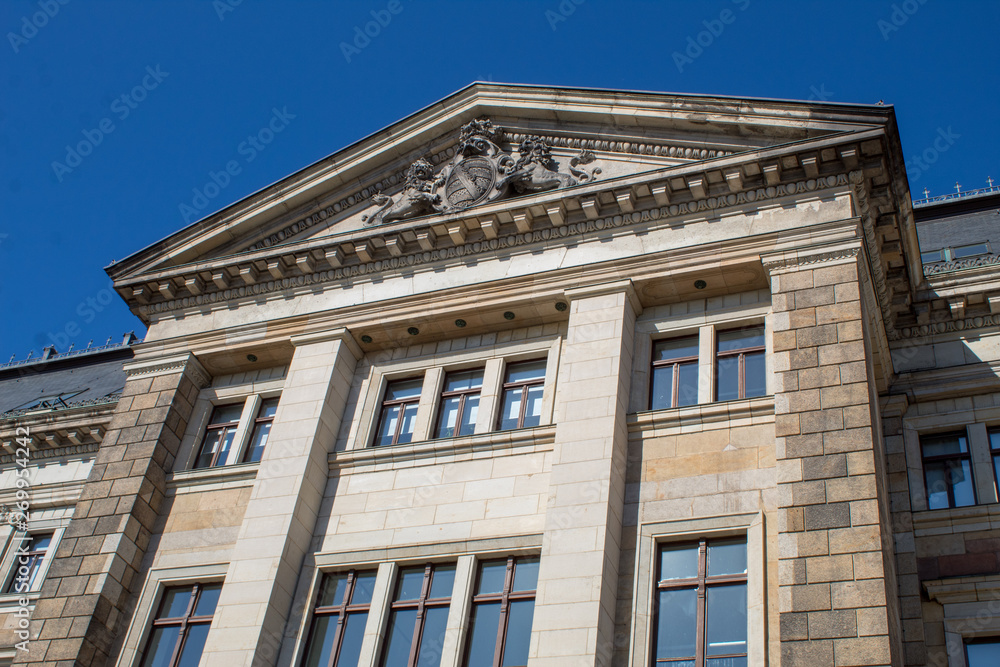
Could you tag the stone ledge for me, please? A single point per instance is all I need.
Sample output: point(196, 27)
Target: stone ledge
point(211, 479)
point(963, 589)
point(956, 520)
point(702, 417)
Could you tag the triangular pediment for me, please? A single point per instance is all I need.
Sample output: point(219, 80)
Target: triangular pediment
point(565, 138)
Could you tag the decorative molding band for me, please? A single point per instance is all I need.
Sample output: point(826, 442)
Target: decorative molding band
point(961, 264)
point(777, 264)
point(950, 326)
point(182, 363)
point(363, 196)
point(707, 205)
point(701, 417)
point(110, 399)
point(55, 452)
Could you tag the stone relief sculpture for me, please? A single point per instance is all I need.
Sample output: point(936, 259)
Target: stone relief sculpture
point(480, 171)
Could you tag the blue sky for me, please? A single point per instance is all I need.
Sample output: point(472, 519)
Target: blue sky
point(168, 91)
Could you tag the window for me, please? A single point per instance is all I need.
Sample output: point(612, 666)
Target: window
point(459, 403)
point(418, 616)
point(522, 395)
point(947, 470)
point(960, 252)
point(399, 412)
point(219, 436)
point(261, 429)
point(675, 373)
point(502, 610)
point(983, 653)
point(701, 604)
point(995, 453)
point(26, 568)
point(739, 366)
point(181, 626)
point(931, 256)
point(339, 619)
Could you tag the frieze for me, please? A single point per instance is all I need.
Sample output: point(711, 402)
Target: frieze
point(950, 326)
point(53, 452)
point(503, 241)
point(807, 260)
point(960, 264)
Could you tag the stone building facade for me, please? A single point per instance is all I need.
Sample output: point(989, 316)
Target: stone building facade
point(545, 376)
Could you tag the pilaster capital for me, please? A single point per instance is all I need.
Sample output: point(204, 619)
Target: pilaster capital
point(338, 334)
point(601, 289)
point(178, 363)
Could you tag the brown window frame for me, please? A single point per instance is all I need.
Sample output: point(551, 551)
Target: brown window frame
point(413, 400)
point(258, 423)
point(676, 376)
point(504, 597)
point(521, 386)
point(741, 352)
point(961, 456)
point(701, 583)
point(35, 558)
point(221, 426)
point(342, 609)
point(420, 604)
point(184, 622)
point(462, 393)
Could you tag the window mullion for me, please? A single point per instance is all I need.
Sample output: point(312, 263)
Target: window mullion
point(508, 583)
point(243, 429)
point(699, 647)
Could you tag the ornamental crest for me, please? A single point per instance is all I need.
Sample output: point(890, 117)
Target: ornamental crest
point(481, 171)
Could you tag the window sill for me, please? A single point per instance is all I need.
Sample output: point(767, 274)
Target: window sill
point(10, 602)
point(446, 450)
point(956, 520)
point(703, 417)
point(210, 479)
point(956, 590)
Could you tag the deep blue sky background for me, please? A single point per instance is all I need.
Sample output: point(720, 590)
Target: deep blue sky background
point(227, 70)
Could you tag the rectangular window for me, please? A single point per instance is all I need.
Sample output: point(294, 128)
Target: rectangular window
point(969, 250)
point(675, 373)
point(261, 430)
point(931, 256)
point(522, 395)
point(181, 626)
point(339, 619)
point(418, 616)
point(399, 411)
point(701, 604)
point(219, 436)
point(983, 653)
point(739, 364)
point(948, 470)
point(27, 565)
point(502, 610)
point(459, 404)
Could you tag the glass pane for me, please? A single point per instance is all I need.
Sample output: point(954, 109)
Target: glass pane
point(331, 593)
point(737, 339)
point(364, 585)
point(491, 577)
point(258, 441)
point(448, 417)
point(515, 648)
point(227, 441)
point(350, 645)
point(533, 413)
point(268, 408)
point(442, 581)
point(687, 391)
point(225, 414)
point(432, 638)
point(936, 475)
point(40, 542)
point(321, 641)
point(931, 256)
point(161, 647)
point(969, 250)
point(175, 603)
point(525, 574)
point(755, 382)
point(207, 600)
point(675, 623)
point(409, 421)
point(983, 654)
point(464, 380)
point(996, 468)
point(995, 440)
point(727, 378)
point(961, 481)
point(675, 348)
point(411, 580)
point(661, 393)
point(526, 370)
point(726, 620)
point(725, 662)
point(484, 624)
point(387, 427)
point(678, 562)
point(401, 389)
point(942, 445)
point(193, 645)
point(511, 410)
point(400, 637)
point(469, 413)
point(727, 557)
point(212, 440)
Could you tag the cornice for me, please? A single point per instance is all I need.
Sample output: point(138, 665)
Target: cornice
point(779, 264)
point(182, 363)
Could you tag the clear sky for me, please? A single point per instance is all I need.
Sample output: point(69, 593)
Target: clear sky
point(161, 93)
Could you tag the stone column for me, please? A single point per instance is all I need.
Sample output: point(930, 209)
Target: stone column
point(255, 603)
point(578, 576)
point(835, 543)
point(87, 599)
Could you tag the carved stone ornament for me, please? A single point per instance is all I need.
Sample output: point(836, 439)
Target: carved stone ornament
point(481, 171)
